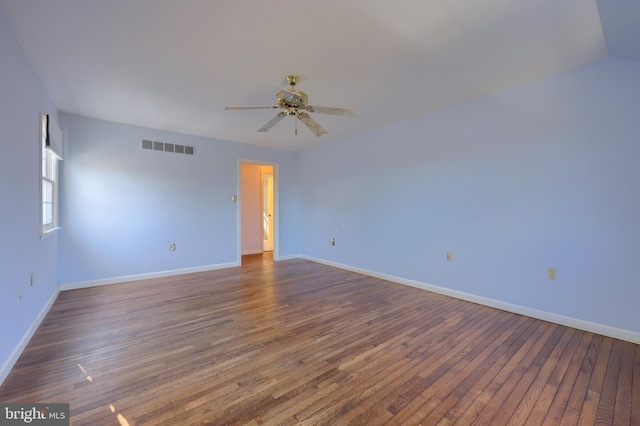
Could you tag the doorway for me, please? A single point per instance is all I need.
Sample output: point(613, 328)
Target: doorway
point(258, 209)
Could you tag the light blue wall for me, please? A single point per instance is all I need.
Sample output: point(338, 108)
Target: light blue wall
point(543, 175)
point(122, 206)
point(22, 98)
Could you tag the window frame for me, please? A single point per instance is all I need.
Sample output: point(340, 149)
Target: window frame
point(48, 176)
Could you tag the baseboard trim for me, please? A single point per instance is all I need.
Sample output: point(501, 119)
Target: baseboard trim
point(289, 257)
point(138, 277)
point(8, 364)
point(245, 252)
point(605, 330)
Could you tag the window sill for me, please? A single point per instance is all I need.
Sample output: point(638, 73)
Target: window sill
point(48, 232)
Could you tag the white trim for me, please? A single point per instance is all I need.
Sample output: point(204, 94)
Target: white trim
point(8, 364)
point(291, 256)
point(48, 232)
point(138, 277)
point(244, 252)
point(605, 330)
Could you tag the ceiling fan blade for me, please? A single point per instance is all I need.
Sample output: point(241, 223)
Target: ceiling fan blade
point(308, 121)
point(273, 122)
point(251, 107)
point(348, 112)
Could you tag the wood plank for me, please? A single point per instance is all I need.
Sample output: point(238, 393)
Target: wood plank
point(566, 385)
point(592, 400)
point(296, 342)
point(606, 406)
point(622, 411)
point(571, 414)
point(635, 392)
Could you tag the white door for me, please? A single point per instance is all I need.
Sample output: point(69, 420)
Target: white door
point(267, 211)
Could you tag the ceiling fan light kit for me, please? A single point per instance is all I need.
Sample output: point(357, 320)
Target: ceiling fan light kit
point(295, 102)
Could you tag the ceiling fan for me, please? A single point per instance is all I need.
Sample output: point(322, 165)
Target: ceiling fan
point(294, 102)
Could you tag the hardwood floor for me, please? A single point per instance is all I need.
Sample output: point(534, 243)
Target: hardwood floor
point(295, 342)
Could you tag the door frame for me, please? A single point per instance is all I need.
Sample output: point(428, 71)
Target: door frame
point(276, 209)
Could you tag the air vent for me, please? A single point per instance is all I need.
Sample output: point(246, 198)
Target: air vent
point(167, 147)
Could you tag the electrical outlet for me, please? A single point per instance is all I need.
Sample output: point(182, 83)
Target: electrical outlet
point(31, 280)
point(449, 256)
point(332, 242)
point(552, 274)
point(172, 246)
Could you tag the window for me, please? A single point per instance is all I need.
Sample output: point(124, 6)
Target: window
point(49, 192)
point(49, 140)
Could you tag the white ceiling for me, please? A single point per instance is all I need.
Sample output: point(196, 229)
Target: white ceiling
point(174, 65)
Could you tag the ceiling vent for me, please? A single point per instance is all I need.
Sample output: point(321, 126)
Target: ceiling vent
point(167, 147)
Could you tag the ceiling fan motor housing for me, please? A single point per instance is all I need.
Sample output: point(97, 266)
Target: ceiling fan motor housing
point(292, 98)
